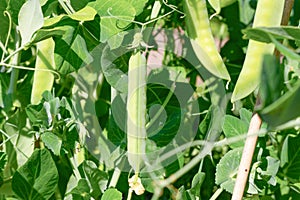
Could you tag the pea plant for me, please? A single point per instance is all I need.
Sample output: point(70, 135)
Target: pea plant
point(149, 99)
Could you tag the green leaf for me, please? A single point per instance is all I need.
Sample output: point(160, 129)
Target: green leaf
point(71, 51)
point(37, 178)
point(271, 79)
point(77, 5)
point(52, 142)
point(285, 51)
point(96, 178)
point(286, 108)
point(43, 34)
point(245, 115)
point(138, 5)
point(195, 189)
point(227, 168)
point(290, 157)
point(264, 34)
point(115, 16)
point(112, 194)
point(112, 72)
point(81, 191)
point(85, 14)
point(234, 127)
point(30, 19)
point(37, 114)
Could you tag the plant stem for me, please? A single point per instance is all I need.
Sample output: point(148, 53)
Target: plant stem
point(246, 160)
point(216, 194)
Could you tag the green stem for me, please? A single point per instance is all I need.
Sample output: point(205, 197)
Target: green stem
point(65, 7)
point(216, 194)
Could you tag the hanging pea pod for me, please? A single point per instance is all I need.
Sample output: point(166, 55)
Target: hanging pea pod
point(203, 43)
point(136, 111)
point(43, 79)
point(218, 4)
point(268, 13)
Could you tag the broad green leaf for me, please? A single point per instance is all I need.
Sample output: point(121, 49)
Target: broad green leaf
point(37, 178)
point(81, 191)
point(52, 142)
point(71, 51)
point(115, 16)
point(138, 5)
point(96, 178)
point(227, 168)
point(30, 20)
point(112, 194)
point(245, 115)
point(286, 108)
point(290, 157)
point(234, 127)
point(85, 14)
point(43, 34)
point(271, 81)
point(264, 34)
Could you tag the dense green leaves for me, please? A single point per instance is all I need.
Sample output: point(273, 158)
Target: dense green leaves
point(37, 178)
point(70, 143)
point(290, 155)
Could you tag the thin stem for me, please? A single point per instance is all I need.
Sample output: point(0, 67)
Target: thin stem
point(31, 69)
point(216, 194)
point(12, 54)
point(65, 7)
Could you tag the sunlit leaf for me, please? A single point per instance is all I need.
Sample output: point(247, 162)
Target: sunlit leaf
point(30, 19)
point(37, 178)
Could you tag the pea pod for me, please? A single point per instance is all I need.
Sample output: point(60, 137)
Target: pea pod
point(136, 110)
point(268, 13)
point(203, 43)
point(42, 79)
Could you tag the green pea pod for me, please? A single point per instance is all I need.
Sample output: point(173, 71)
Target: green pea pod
point(199, 30)
point(136, 110)
point(218, 4)
point(268, 13)
point(43, 79)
